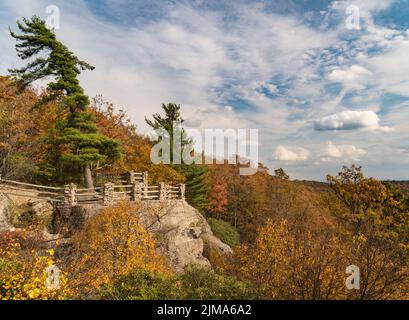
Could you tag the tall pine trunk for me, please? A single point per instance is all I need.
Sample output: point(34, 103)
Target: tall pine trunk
point(88, 177)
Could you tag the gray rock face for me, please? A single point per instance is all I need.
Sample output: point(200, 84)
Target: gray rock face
point(42, 210)
point(68, 220)
point(183, 234)
point(5, 213)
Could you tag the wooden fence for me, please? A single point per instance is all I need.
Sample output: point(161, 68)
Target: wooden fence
point(134, 187)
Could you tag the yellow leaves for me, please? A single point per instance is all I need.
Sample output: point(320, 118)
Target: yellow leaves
point(113, 243)
point(363, 195)
point(23, 274)
point(286, 263)
point(289, 261)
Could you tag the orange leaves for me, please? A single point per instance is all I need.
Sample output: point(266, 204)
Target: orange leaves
point(360, 194)
point(112, 244)
point(25, 150)
point(290, 263)
point(218, 200)
point(22, 130)
point(372, 204)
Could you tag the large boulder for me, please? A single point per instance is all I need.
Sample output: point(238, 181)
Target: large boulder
point(183, 234)
point(68, 220)
point(42, 211)
point(6, 207)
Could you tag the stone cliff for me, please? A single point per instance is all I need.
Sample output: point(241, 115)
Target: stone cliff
point(183, 235)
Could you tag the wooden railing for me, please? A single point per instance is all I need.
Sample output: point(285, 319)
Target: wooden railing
point(15, 188)
point(136, 188)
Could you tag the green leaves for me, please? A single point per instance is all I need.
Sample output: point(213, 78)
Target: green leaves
point(196, 185)
point(82, 143)
point(225, 231)
point(195, 284)
point(77, 140)
point(57, 62)
point(172, 115)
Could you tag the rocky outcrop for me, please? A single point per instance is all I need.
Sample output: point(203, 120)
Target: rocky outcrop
point(5, 213)
point(39, 212)
point(183, 234)
point(42, 211)
point(80, 214)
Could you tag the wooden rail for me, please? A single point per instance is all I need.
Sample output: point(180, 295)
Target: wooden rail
point(135, 188)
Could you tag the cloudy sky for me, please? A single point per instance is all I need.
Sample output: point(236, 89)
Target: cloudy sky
point(321, 93)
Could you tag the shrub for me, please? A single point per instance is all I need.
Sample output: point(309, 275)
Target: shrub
point(203, 284)
point(195, 284)
point(23, 272)
point(141, 284)
point(225, 232)
point(112, 244)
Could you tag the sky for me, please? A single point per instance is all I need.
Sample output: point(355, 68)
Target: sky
point(320, 93)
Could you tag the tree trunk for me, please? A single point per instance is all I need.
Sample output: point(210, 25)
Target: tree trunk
point(88, 177)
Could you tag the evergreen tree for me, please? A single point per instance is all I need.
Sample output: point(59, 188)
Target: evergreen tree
point(83, 147)
point(196, 187)
point(171, 123)
point(79, 144)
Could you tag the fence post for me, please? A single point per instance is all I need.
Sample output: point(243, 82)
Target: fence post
point(166, 191)
point(145, 178)
point(132, 177)
point(70, 195)
point(182, 188)
point(162, 191)
point(136, 194)
point(109, 196)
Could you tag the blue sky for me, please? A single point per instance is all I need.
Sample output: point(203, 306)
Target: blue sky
point(320, 94)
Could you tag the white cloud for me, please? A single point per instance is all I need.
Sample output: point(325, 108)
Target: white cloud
point(386, 129)
point(347, 120)
point(363, 5)
point(272, 88)
point(391, 67)
point(283, 153)
point(204, 60)
point(355, 76)
point(344, 152)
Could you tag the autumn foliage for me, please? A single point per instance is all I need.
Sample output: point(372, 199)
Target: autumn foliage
point(23, 270)
point(288, 262)
point(111, 245)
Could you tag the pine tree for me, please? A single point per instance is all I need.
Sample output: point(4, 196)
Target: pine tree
point(83, 147)
point(171, 123)
point(195, 175)
point(196, 186)
point(80, 146)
